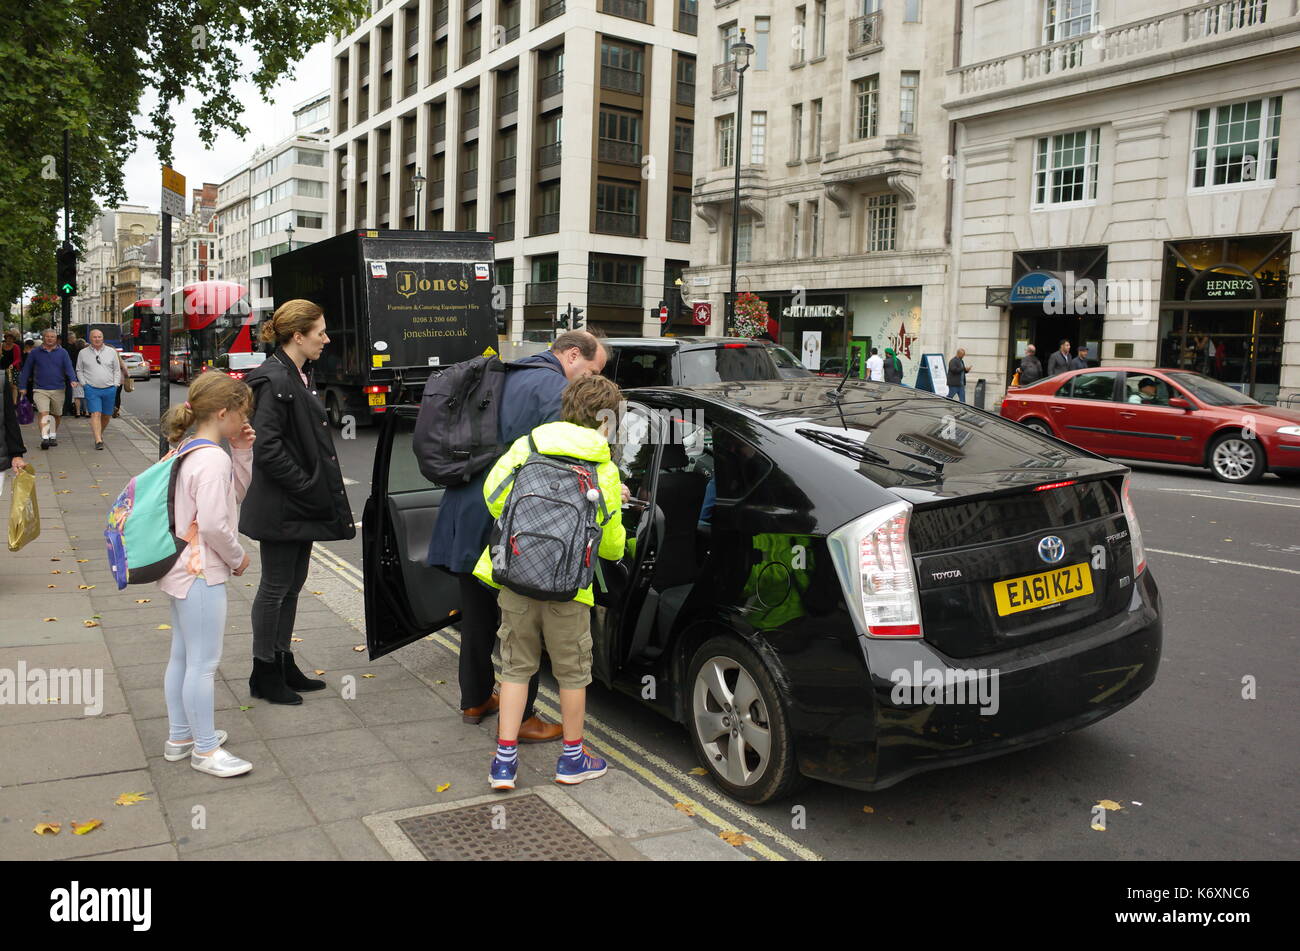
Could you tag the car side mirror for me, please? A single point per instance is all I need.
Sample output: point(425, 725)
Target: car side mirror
point(1177, 402)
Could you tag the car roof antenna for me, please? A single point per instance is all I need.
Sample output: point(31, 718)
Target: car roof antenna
point(853, 361)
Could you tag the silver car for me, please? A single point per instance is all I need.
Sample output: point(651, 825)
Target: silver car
point(137, 368)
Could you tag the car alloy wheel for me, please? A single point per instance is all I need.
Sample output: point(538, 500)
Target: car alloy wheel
point(731, 721)
point(1038, 426)
point(1236, 459)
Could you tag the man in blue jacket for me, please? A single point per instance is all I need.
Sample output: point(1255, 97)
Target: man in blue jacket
point(47, 369)
point(460, 532)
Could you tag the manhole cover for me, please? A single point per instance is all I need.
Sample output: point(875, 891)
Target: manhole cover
point(522, 828)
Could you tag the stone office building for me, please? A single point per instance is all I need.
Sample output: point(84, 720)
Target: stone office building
point(1127, 179)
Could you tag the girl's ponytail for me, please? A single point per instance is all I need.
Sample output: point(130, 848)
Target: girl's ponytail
point(212, 392)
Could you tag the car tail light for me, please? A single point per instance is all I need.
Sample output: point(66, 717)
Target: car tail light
point(1134, 532)
point(1055, 485)
point(874, 561)
point(734, 346)
point(374, 389)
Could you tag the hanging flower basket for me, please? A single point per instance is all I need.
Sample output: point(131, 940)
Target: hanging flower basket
point(751, 315)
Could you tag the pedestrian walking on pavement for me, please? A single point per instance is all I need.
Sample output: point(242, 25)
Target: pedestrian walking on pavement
point(1059, 361)
point(460, 532)
point(876, 366)
point(73, 401)
point(893, 367)
point(209, 488)
point(1031, 368)
point(99, 368)
point(12, 449)
point(296, 497)
point(1081, 362)
point(11, 363)
point(957, 370)
point(46, 371)
point(589, 406)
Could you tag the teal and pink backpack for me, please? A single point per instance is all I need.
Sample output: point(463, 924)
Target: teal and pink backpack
point(141, 533)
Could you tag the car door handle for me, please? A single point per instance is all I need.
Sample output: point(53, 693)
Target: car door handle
point(1127, 414)
point(1058, 409)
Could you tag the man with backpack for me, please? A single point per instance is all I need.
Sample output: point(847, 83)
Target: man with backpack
point(529, 397)
point(556, 496)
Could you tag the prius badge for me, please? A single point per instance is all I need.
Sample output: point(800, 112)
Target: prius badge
point(1051, 549)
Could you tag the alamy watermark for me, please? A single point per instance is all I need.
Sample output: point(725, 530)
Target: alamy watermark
point(82, 687)
point(922, 686)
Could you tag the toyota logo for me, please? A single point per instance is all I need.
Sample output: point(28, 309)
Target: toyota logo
point(1051, 549)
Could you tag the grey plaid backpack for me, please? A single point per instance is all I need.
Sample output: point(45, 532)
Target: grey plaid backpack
point(545, 544)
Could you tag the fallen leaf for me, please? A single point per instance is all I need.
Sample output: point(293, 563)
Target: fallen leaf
point(443, 788)
point(440, 681)
point(734, 838)
point(130, 799)
point(143, 600)
point(51, 827)
point(81, 828)
point(1098, 827)
point(318, 592)
point(867, 809)
point(56, 559)
point(91, 623)
point(1136, 803)
point(56, 571)
point(684, 807)
point(164, 627)
point(51, 586)
point(103, 493)
point(298, 639)
point(245, 708)
point(84, 587)
point(359, 648)
point(50, 619)
point(699, 771)
point(368, 676)
point(97, 616)
point(82, 561)
point(318, 672)
point(1110, 804)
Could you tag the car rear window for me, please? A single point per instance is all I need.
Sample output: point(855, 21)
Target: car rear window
point(630, 367)
point(726, 364)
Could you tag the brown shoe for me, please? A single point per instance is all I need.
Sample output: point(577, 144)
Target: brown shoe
point(537, 730)
point(486, 709)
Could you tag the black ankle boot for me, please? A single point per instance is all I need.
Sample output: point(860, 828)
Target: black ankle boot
point(294, 678)
point(267, 683)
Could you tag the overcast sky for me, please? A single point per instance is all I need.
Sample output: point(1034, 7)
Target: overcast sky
point(267, 124)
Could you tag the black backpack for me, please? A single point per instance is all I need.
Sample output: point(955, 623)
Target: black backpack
point(456, 431)
point(547, 540)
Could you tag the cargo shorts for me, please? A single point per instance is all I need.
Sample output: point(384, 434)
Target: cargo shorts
point(48, 401)
point(565, 626)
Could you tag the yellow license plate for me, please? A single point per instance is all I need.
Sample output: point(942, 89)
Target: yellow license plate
point(376, 399)
point(1039, 590)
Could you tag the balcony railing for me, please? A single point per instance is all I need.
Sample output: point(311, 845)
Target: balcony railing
point(440, 72)
point(625, 153)
point(685, 93)
point(621, 80)
point(546, 224)
point(551, 10)
point(512, 33)
point(724, 79)
point(683, 162)
point(865, 32)
point(680, 231)
point(631, 9)
point(436, 188)
point(440, 133)
point(469, 179)
point(506, 168)
point(505, 231)
point(469, 119)
point(618, 295)
point(552, 84)
point(440, 16)
point(508, 102)
point(1175, 33)
point(618, 222)
point(548, 155)
point(541, 292)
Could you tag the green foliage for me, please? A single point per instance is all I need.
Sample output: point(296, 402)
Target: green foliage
point(85, 65)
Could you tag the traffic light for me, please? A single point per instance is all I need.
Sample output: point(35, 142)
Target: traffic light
point(67, 271)
point(562, 318)
point(575, 317)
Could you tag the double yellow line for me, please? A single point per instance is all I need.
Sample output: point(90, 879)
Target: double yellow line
point(702, 799)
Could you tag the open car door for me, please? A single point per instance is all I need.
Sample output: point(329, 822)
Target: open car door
point(405, 599)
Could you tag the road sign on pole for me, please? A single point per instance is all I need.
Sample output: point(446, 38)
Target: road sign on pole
point(173, 193)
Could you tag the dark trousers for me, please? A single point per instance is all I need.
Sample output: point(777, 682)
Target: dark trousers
point(284, 572)
point(479, 620)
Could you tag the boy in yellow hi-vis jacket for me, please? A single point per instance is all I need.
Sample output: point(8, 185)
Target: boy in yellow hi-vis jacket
point(588, 412)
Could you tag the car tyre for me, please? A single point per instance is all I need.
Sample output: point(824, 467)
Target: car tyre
point(750, 757)
point(1234, 458)
point(1038, 426)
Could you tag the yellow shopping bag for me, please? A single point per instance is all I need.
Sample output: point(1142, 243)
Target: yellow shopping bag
point(24, 516)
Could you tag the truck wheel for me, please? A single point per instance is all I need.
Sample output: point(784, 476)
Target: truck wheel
point(738, 723)
point(335, 409)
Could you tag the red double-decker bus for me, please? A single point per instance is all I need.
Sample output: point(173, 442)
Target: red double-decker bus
point(208, 318)
point(140, 327)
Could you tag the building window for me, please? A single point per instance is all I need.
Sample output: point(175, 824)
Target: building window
point(621, 67)
point(866, 116)
point(814, 228)
point(686, 80)
point(819, 37)
point(744, 240)
point(547, 215)
point(728, 36)
point(796, 131)
point(620, 137)
point(794, 229)
point(882, 222)
point(911, 11)
point(908, 84)
point(683, 147)
point(762, 34)
point(618, 208)
point(815, 144)
point(757, 138)
point(726, 141)
point(1236, 144)
point(1065, 167)
point(800, 33)
point(680, 226)
point(1063, 19)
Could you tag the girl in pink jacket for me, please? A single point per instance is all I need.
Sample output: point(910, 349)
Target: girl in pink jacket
point(209, 489)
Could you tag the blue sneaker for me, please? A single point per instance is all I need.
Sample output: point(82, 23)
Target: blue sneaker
point(502, 775)
point(571, 772)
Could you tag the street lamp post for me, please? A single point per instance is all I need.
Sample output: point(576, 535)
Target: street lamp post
point(289, 231)
point(418, 181)
point(740, 54)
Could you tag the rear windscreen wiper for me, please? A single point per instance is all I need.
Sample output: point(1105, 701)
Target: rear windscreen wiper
point(855, 448)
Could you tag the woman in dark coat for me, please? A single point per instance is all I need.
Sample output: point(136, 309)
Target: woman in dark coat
point(12, 449)
point(296, 496)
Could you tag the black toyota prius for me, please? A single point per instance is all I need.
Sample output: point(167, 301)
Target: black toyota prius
point(847, 581)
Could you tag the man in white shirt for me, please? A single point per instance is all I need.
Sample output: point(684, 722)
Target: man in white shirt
point(876, 366)
point(100, 373)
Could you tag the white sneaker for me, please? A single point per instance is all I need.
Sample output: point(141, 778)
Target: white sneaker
point(220, 763)
point(172, 752)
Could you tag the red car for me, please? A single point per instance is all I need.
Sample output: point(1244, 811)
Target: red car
point(1162, 416)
